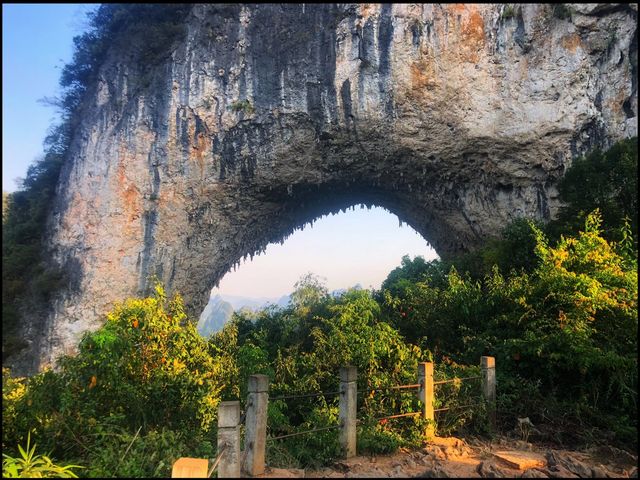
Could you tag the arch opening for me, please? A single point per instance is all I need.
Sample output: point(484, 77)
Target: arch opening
point(357, 246)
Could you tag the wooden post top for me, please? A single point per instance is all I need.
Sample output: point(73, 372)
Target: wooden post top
point(258, 383)
point(348, 374)
point(487, 362)
point(426, 367)
point(228, 414)
point(186, 467)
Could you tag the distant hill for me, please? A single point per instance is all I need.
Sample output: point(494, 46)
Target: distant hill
point(221, 307)
point(214, 316)
point(238, 302)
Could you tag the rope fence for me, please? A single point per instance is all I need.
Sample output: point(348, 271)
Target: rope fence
point(456, 407)
point(214, 465)
point(388, 417)
point(295, 434)
point(251, 424)
point(393, 387)
point(456, 379)
point(305, 395)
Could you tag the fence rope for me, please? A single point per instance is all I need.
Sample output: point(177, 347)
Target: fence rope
point(217, 461)
point(456, 379)
point(410, 414)
point(302, 433)
point(304, 395)
point(456, 407)
point(368, 390)
point(394, 387)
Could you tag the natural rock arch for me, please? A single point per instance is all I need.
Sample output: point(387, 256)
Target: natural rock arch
point(455, 117)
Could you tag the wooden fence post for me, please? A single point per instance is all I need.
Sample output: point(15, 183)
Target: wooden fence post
point(488, 365)
point(426, 395)
point(348, 403)
point(229, 438)
point(255, 439)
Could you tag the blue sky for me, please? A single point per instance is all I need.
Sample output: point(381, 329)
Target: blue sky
point(360, 246)
point(37, 40)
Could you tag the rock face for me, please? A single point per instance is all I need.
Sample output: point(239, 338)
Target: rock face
point(455, 117)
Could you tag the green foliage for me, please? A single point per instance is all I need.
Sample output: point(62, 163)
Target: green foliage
point(242, 106)
point(148, 371)
point(378, 438)
point(123, 454)
point(604, 180)
point(13, 391)
point(302, 348)
point(30, 465)
point(147, 32)
point(149, 364)
point(570, 324)
point(473, 417)
point(561, 11)
point(508, 12)
point(559, 314)
point(26, 272)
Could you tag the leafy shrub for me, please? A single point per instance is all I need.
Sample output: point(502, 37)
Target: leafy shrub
point(569, 324)
point(153, 454)
point(378, 438)
point(13, 391)
point(315, 336)
point(561, 11)
point(30, 465)
point(29, 275)
point(315, 449)
point(147, 363)
point(607, 181)
point(242, 106)
point(146, 370)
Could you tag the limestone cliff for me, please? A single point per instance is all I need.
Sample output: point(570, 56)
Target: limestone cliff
point(455, 117)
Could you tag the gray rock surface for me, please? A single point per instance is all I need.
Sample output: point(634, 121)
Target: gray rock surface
point(456, 117)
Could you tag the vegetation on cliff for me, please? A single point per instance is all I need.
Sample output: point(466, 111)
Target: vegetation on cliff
point(146, 32)
point(560, 317)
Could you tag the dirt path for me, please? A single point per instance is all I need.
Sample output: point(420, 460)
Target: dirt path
point(454, 458)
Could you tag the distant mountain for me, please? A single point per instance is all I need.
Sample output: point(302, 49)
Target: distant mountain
point(338, 292)
point(214, 316)
point(254, 303)
point(221, 307)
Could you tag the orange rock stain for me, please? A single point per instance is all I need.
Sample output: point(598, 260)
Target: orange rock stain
point(571, 42)
point(422, 77)
point(367, 9)
point(472, 37)
point(127, 191)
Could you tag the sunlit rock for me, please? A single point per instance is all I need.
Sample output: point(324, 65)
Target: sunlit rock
point(457, 118)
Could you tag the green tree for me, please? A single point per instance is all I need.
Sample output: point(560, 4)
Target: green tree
point(308, 292)
point(6, 199)
point(147, 32)
point(604, 180)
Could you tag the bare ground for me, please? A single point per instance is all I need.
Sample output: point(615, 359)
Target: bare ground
point(454, 458)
